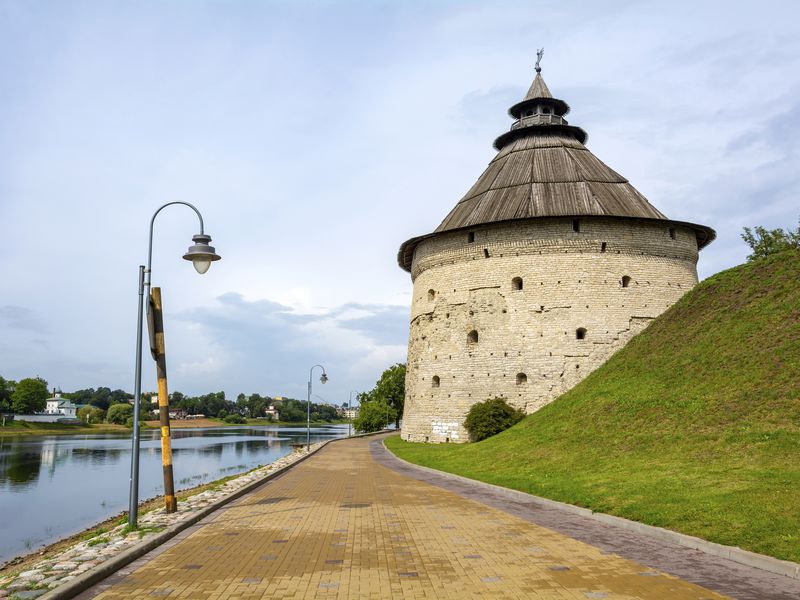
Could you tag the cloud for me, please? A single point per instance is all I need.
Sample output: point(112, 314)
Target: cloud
point(267, 346)
point(19, 317)
point(315, 138)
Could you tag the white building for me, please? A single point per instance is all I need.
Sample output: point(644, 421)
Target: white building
point(350, 413)
point(59, 406)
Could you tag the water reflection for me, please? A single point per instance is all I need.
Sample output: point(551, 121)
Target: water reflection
point(20, 467)
point(96, 456)
point(89, 475)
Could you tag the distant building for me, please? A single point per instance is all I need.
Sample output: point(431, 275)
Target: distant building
point(272, 413)
point(350, 413)
point(59, 406)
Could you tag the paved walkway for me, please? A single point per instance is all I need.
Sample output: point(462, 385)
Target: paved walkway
point(341, 525)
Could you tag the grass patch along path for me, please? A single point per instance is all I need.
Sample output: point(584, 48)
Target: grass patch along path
point(693, 426)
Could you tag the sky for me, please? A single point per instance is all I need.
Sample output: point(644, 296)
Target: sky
point(316, 137)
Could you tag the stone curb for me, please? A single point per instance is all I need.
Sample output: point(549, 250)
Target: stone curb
point(734, 553)
point(112, 565)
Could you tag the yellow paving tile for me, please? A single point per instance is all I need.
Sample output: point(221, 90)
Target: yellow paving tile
point(342, 526)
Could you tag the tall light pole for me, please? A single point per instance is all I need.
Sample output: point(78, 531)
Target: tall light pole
point(350, 410)
point(323, 378)
point(201, 255)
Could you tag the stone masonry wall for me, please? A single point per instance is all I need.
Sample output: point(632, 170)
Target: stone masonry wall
point(527, 347)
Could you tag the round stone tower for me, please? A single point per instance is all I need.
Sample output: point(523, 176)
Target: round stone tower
point(548, 265)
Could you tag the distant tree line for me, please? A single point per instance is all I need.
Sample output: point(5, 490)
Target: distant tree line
point(113, 406)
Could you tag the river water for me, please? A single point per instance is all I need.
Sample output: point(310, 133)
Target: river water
point(54, 486)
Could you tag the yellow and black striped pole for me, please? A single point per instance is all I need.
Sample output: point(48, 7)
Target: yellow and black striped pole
point(171, 503)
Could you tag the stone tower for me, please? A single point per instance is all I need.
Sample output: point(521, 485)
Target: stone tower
point(548, 265)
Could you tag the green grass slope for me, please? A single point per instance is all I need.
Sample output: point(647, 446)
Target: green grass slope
point(693, 426)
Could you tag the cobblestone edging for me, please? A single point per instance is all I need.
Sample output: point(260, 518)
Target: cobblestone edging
point(89, 561)
point(733, 553)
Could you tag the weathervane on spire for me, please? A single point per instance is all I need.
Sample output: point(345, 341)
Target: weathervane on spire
point(539, 54)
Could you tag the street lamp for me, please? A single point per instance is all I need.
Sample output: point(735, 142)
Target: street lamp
point(323, 378)
point(350, 410)
point(201, 255)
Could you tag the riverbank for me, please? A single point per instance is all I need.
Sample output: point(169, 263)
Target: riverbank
point(280, 423)
point(24, 428)
point(213, 422)
point(64, 560)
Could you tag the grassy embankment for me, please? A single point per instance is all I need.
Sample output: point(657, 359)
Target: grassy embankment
point(22, 428)
point(693, 426)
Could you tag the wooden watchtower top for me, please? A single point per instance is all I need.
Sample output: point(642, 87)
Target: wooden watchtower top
point(543, 169)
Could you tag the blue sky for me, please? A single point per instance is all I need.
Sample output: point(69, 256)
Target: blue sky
point(315, 137)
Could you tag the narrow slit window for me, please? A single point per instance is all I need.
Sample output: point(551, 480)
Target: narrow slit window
point(485, 253)
point(603, 247)
point(580, 333)
point(672, 232)
point(470, 237)
point(435, 381)
point(576, 225)
point(431, 295)
point(516, 283)
point(472, 337)
point(522, 379)
point(626, 281)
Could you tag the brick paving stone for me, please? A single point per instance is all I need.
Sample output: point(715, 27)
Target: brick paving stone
point(340, 525)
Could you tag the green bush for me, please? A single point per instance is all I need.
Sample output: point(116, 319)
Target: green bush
point(119, 413)
point(235, 418)
point(374, 415)
point(488, 418)
point(222, 414)
point(91, 414)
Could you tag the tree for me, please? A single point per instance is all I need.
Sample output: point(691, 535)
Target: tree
point(80, 396)
point(91, 414)
point(120, 396)
point(119, 413)
point(6, 390)
point(291, 410)
point(256, 405)
point(235, 418)
point(101, 398)
point(30, 395)
point(374, 416)
point(488, 418)
point(764, 242)
point(391, 389)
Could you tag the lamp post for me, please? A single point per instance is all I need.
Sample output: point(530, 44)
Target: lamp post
point(201, 255)
point(323, 378)
point(350, 410)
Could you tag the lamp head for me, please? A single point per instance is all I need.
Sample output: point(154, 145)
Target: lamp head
point(200, 253)
point(324, 377)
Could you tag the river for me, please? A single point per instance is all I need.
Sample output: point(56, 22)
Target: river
point(54, 486)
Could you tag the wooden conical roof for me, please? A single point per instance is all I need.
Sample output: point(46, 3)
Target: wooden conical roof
point(543, 169)
point(547, 175)
point(538, 89)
